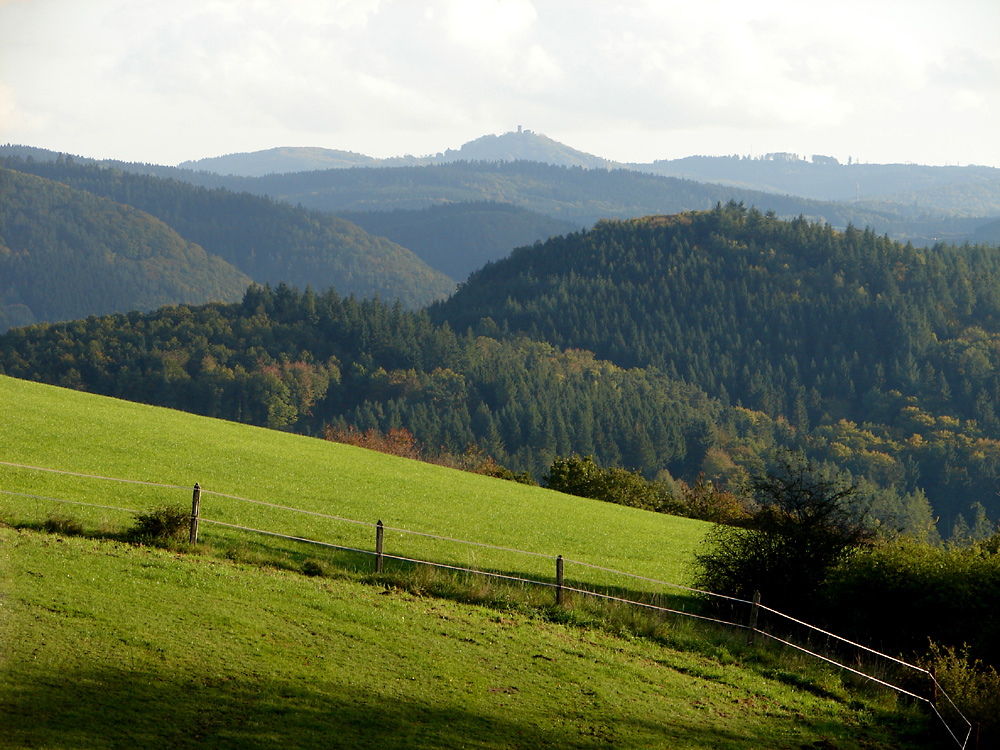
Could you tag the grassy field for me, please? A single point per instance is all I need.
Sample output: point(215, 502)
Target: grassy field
point(112, 645)
point(107, 644)
point(77, 432)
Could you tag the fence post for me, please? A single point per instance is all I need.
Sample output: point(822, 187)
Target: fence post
point(195, 510)
point(379, 532)
point(754, 609)
point(559, 581)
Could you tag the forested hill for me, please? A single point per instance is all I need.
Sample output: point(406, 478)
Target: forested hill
point(291, 360)
point(459, 238)
point(65, 254)
point(825, 178)
point(581, 196)
point(269, 241)
point(818, 327)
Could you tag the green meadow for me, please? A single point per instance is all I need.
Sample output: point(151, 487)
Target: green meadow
point(75, 432)
point(108, 644)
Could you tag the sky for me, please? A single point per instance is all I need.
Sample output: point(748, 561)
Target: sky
point(164, 81)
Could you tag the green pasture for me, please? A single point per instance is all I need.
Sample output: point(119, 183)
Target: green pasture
point(71, 431)
point(110, 645)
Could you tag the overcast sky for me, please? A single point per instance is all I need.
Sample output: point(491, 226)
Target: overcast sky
point(632, 80)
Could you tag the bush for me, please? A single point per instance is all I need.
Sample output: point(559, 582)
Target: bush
point(167, 523)
point(581, 476)
point(901, 593)
point(704, 501)
point(313, 568)
point(804, 524)
point(973, 686)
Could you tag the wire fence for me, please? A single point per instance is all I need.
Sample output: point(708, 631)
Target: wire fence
point(864, 663)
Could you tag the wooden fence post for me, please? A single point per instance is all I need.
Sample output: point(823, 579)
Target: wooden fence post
point(195, 510)
point(379, 533)
point(559, 581)
point(754, 609)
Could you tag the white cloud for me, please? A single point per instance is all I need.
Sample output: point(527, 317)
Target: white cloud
point(632, 80)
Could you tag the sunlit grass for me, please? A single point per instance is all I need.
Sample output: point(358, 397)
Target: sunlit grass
point(77, 432)
point(114, 645)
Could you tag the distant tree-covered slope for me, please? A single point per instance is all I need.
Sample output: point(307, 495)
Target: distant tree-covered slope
point(522, 145)
point(66, 253)
point(806, 324)
point(278, 161)
point(573, 194)
point(583, 196)
point(988, 233)
point(292, 360)
point(303, 361)
point(458, 238)
point(269, 241)
point(826, 178)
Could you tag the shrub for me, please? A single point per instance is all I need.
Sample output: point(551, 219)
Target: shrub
point(705, 501)
point(804, 524)
point(901, 593)
point(973, 686)
point(581, 476)
point(167, 523)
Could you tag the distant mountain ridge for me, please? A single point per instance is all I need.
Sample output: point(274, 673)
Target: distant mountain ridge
point(825, 178)
point(279, 160)
point(920, 204)
point(519, 145)
point(970, 190)
point(459, 238)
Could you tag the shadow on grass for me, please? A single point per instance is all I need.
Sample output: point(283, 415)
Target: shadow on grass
point(109, 708)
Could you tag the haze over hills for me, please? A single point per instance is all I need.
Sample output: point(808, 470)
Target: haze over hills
point(825, 178)
point(914, 203)
point(520, 145)
point(965, 191)
point(459, 238)
point(279, 160)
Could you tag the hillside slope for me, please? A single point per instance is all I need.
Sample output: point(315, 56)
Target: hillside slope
point(270, 242)
point(66, 254)
point(825, 178)
point(279, 161)
point(68, 430)
point(459, 238)
point(111, 644)
point(108, 645)
point(583, 196)
point(826, 330)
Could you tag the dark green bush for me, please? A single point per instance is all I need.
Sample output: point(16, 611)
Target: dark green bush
point(313, 568)
point(803, 525)
point(164, 524)
point(900, 594)
point(581, 476)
